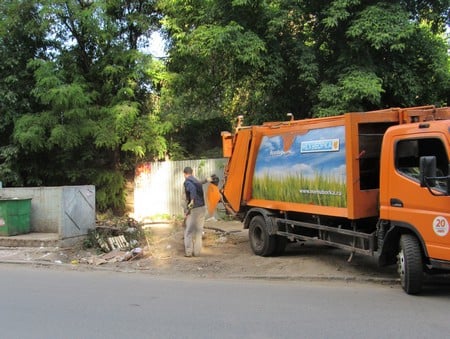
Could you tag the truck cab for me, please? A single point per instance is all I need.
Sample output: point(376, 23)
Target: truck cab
point(414, 197)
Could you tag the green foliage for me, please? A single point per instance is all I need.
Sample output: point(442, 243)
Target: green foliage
point(30, 132)
point(21, 38)
point(262, 59)
point(434, 12)
point(210, 65)
point(350, 93)
point(230, 42)
point(422, 79)
point(382, 26)
point(92, 108)
point(195, 144)
point(109, 191)
point(338, 11)
point(8, 170)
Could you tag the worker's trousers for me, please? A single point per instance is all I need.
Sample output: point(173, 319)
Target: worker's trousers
point(194, 231)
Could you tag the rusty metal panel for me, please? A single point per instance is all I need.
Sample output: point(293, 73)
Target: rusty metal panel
point(158, 186)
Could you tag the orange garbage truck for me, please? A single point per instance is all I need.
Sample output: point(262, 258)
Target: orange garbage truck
point(374, 183)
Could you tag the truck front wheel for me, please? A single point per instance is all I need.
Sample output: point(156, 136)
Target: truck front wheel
point(280, 245)
point(410, 264)
point(261, 242)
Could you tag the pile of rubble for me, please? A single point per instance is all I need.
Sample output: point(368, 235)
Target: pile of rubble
point(116, 239)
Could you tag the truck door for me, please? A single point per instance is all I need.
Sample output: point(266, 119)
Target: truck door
point(415, 207)
point(236, 169)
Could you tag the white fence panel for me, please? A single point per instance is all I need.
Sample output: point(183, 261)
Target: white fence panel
point(158, 186)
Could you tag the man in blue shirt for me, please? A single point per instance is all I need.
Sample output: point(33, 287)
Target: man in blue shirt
point(196, 212)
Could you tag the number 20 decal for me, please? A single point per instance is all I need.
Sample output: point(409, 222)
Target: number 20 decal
point(440, 226)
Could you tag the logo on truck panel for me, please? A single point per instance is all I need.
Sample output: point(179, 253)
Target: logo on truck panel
point(311, 171)
point(328, 145)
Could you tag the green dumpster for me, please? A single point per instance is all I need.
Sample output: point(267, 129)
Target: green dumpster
point(14, 216)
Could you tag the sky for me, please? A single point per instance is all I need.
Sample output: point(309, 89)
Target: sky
point(156, 46)
point(273, 160)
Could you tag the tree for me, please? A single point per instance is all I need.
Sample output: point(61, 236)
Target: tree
point(214, 60)
point(263, 59)
point(378, 58)
point(97, 98)
point(18, 44)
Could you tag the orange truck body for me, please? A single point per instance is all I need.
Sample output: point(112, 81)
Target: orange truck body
point(355, 176)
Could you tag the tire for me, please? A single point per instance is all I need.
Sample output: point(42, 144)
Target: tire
point(260, 241)
point(410, 264)
point(280, 245)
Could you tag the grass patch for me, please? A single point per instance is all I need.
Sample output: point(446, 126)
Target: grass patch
point(322, 190)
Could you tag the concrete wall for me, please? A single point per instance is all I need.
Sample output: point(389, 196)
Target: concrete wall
point(68, 211)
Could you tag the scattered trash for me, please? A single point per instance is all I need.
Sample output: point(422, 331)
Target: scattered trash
point(114, 254)
point(102, 243)
point(137, 250)
point(222, 240)
point(116, 233)
point(136, 253)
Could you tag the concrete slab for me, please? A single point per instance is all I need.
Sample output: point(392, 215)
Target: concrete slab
point(35, 239)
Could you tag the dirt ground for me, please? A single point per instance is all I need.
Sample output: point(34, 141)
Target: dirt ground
point(226, 253)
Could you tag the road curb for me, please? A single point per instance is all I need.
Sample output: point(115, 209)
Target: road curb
point(361, 279)
point(322, 278)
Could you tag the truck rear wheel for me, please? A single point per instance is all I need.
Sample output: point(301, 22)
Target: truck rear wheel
point(410, 264)
point(260, 240)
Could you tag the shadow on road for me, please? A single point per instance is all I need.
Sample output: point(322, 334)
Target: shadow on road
point(335, 256)
point(362, 265)
point(436, 286)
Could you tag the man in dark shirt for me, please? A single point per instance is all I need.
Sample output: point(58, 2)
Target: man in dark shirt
point(196, 212)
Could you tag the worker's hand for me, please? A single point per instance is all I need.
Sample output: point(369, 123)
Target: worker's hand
point(191, 204)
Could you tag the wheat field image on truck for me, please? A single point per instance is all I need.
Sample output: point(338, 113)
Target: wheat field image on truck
point(311, 171)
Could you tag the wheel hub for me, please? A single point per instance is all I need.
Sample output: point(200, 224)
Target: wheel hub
point(401, 265)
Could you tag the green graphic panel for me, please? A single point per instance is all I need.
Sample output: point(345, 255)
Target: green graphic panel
point(311, 171)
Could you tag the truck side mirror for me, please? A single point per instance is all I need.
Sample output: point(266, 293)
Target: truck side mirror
point(427, 170)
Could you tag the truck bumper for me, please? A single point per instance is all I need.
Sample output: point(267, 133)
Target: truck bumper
point(439, 264)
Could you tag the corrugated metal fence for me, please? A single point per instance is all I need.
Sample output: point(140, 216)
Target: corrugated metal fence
point(158, 186)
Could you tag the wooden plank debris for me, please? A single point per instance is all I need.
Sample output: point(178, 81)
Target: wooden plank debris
point(118, 242)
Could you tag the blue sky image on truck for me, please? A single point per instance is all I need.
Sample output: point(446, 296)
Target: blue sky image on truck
point(311, 171)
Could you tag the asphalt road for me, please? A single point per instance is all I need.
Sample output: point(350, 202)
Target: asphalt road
point(52, 303)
